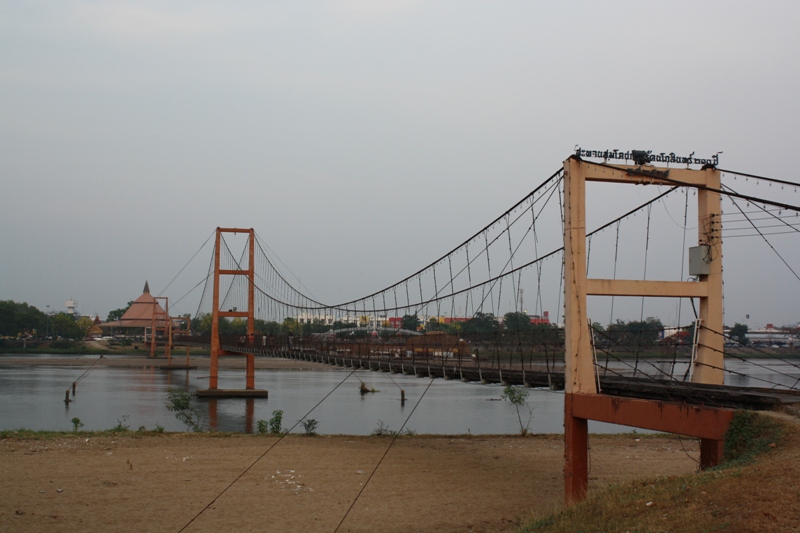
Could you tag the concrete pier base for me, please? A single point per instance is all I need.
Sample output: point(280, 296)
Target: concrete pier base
point(232, 393)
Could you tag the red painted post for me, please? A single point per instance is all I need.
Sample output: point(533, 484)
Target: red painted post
point(212, 414)
point(576, 454)
point(711, 452)
point(249, 415)
point(213, 375)
point(251, 371)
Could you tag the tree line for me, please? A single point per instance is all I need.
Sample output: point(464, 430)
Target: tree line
point(23, 320)
point(20, 319)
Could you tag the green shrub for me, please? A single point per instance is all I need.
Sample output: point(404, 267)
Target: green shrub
point(309, 426)
point(275, 422)
point(749, 435)
point(76, 424)
point(121, 424)
point(180, 403)
point(518, 397)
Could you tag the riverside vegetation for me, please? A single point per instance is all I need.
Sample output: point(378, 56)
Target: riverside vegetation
point(754, 489)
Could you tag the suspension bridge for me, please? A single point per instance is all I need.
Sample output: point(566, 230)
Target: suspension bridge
point(466, 315)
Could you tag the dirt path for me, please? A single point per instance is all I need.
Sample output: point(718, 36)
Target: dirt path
point(425, 484)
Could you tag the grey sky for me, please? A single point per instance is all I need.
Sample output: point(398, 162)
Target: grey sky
point(360, 139)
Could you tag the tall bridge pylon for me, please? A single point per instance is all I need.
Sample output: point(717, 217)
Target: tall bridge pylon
point(583, 401)
point(216, 347)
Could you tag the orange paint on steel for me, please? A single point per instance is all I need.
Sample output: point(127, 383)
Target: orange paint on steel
point(251, 322)
point(213, 376)
point(153, 330)
point(216, 348)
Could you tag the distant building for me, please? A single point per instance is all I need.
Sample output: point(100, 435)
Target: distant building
point(144, 312)
point(72, 307)
point(771, 336)
point(96, 331)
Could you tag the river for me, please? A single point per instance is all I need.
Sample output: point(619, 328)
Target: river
point(32, 397)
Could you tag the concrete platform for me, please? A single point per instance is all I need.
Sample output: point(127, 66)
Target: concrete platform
point(232, 393)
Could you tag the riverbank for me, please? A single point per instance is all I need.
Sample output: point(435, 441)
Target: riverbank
point(160, 482)
point(88, 347)
point(753, 490)
point(143, 361)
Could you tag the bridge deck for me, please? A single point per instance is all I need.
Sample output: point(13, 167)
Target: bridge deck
point(553, 378)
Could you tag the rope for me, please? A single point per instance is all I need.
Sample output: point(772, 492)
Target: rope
point(187, 263)
point(767, 241)
point(280, 438)
point(771, 180)
point(385, 453)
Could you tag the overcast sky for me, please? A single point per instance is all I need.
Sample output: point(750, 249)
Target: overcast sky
point(361, 139)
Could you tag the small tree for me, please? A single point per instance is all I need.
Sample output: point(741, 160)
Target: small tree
point(739, 333)
point(76, 424)
point(180, 403)
point(275, 423)
point(410, 322)
point(518, 397)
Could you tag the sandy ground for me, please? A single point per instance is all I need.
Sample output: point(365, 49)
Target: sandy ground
point(427, 484)
point(168, 482)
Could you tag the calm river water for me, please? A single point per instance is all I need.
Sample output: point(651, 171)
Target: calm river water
point(32, 397)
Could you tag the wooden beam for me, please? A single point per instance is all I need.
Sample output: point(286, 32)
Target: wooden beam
point(692, 420)
point(239, 314)
point(624, 287)
point(634, 175)
point(234, 230)
point(710, 362)
point(579, 373)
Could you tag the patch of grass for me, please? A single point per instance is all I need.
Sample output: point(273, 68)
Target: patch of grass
point(383, 431)
point(30, 434)
point(752, 491)
point(649, 505)
point(122, 425)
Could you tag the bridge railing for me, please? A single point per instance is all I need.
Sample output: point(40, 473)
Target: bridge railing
point(512, 351)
